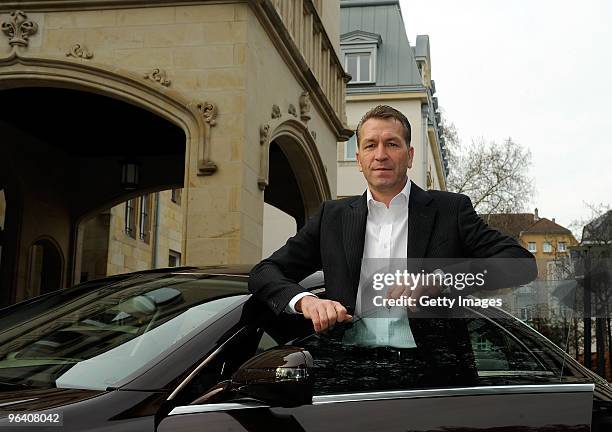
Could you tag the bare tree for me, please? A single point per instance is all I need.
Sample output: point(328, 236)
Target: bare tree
point(495, 176)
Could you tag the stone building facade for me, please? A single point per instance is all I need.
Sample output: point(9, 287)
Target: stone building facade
point(236, 103)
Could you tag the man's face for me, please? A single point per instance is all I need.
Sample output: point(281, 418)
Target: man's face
point(383, 155)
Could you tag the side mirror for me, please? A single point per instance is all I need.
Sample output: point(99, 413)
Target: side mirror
point(279, 377)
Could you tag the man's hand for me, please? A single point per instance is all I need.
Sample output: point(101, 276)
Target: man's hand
point(323, 313)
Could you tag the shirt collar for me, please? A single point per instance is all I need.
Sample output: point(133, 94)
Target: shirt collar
point(405, 192)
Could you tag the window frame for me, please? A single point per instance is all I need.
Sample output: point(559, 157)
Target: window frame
point(562, 246)
point(144, 218)
point(547, 247)
point(535, 246)
point(176, 255)
point(360, 55)
point(129, 220)
point(369, 49)
point(176, 195)
point(347, 157)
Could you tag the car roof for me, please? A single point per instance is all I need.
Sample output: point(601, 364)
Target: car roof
point(314, 280)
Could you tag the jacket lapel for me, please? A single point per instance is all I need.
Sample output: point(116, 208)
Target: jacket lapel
point(421, 220)
point(353, 235)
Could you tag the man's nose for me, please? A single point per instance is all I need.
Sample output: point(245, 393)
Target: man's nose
point(381, 152)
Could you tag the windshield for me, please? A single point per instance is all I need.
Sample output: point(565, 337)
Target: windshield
point(102, 336)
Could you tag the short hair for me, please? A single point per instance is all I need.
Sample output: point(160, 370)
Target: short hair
point(386, 112)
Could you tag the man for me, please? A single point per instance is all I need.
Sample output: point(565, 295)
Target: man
point(393, 219)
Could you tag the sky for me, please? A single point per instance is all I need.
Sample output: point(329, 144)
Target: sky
point(538, 71)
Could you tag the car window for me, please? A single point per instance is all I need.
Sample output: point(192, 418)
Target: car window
point(247, 342)
point(471, 351)
point(497, 353)
point(104, 335)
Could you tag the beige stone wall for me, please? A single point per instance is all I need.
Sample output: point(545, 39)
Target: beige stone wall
point(94, 247)
point(263, 62)
point(169, 224)
point(330, 15)
point(126, 254)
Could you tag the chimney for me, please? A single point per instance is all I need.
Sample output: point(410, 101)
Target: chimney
point(553, 219)
point(536, 217)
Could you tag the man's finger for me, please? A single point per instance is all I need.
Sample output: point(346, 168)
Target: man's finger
point(332, 315)
point(340, 312)
point(323, 321)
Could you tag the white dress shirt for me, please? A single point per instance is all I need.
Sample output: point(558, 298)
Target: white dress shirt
point(386, 238)
point(385, 250)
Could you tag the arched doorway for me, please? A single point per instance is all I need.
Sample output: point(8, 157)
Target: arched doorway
point(69, 165)
point(297, 183)
point(46, 267)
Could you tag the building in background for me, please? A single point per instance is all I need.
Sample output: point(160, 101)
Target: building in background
point(386, 70)
point(548, 241)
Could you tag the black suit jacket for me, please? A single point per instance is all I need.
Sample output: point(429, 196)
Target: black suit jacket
point(440, 225)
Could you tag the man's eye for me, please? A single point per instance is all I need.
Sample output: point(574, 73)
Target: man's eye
point(392, 144)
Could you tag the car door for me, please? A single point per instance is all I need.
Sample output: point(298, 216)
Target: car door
point(507, 386)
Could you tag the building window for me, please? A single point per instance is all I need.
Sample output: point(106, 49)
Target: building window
point(176, 196)
point(174, 258)
point(547, 247)
point(562, 247)
point(130, 218)
point(531, 247)
point(350, 148)
point(145, 218)
point(359, 66)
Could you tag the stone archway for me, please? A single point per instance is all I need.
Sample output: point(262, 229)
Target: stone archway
point(295, 182)
point(20, 72)
point(301, 185)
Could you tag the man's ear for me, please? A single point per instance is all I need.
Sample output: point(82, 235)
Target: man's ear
point(410, 156)
point(358, 161)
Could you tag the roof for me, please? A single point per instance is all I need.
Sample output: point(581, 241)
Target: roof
point(510, 224)
point(515, 224)
point(396, 66)
point(599, 230)
point(546, 226)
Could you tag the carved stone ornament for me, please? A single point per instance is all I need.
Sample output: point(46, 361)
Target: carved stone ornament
point(208, 111)
point(19, 29)
point(292, 110)
point(79, 51)
point(264, 141)
point(305, 107)
point(159, 76)
point(276, 112)
point(264, 132)
point(314, 134)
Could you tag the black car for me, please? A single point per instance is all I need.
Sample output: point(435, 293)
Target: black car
point(189, 349)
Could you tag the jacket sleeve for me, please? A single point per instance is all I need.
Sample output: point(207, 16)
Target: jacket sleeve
point(506, 262)
point(274, 280)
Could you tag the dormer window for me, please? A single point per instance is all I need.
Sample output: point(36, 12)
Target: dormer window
point(359, 51)
point(359, 66)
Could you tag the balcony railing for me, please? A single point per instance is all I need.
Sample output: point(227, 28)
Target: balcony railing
point(302, 21)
